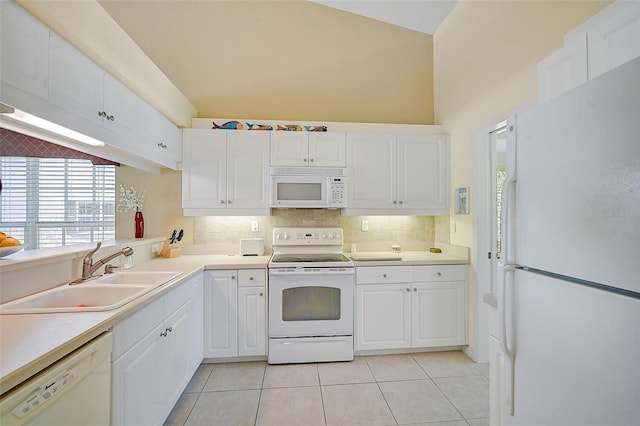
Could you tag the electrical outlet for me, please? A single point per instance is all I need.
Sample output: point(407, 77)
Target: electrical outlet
point(254, 226)
point(452, 226)
point(365, 225)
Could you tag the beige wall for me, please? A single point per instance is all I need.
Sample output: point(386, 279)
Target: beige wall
point(285, 60)
point(485, 64)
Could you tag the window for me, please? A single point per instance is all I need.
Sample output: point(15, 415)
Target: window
point(51, 202)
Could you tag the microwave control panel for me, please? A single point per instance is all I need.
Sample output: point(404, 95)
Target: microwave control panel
point(338, 192)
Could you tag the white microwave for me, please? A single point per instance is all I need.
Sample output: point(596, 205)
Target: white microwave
point(299, 187)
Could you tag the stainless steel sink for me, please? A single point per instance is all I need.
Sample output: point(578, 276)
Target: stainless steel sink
point(105, 293)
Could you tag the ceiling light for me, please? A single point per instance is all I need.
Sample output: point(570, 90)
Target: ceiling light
point(40, 123)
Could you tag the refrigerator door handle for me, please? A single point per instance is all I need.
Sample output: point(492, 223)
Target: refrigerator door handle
point(509, 370)
point(507, 255)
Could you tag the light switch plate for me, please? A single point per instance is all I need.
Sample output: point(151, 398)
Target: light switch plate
point(365, 225)
point(254, 226)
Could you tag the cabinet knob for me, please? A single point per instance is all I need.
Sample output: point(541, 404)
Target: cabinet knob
point(439, 274)
point(384, 275)
point(312, 160)
point(408, 289)
point(415, 289)
point(163, 334)
point(250, 278)
point(169, 329)
point(304, 159)
point(228, 201)
point(233, 277)
point(102, 114)
point(395, 202)
point(261, 294)
point(111, 118)
point(221, 201)
point(401, 202)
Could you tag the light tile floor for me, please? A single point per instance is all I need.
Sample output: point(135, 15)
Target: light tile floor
point(434, 388)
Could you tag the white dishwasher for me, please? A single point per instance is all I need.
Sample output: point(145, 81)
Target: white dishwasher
point(75, 390)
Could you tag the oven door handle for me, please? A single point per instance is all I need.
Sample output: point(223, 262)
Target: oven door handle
point(311, 271)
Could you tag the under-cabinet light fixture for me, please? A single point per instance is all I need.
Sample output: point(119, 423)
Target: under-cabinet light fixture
point(40, 123)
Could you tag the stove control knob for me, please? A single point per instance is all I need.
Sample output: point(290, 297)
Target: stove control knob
point(324, 236)
point(278, 236)
point(336, 236)
point(286, 236)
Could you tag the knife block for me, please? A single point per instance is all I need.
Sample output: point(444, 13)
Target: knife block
point(170, 250)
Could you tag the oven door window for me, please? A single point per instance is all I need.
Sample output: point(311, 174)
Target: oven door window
point(311, 304)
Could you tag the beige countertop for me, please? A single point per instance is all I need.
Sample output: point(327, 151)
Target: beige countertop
point(31, 342)
point(407, 258)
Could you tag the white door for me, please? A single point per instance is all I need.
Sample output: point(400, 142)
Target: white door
point(220, 314)
point(247, 169)
point(438, 311)
point(371, 167)
point(137, 377)
point(24, 63)
point(422, 172)
point(614, 38)
point(175, 357)
point(289, 148)
point(122, 108)
point(204, 183)
point(327, 149)
point(383, 316)
point(75, 83)
point(252, 327)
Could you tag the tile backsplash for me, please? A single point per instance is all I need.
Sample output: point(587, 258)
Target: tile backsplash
point(222, 234)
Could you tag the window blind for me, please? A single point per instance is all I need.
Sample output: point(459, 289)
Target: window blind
point(51, 202)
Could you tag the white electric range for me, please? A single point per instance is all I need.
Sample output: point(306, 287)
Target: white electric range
point(311, 297)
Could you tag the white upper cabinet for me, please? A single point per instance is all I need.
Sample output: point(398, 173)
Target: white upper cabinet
point(24, 50)
point(45, 76)
point(307, 149)
point(564, 69)
point(225, 172)
point(607, 40)
point(397, 174)
point(614, 37)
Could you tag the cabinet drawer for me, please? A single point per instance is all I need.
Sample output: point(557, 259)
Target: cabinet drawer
point(176, 297)
point(252, 277)
point(440, 273)
point(383, 274)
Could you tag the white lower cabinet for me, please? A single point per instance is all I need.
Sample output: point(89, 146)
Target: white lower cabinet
point(235, 322)
point(400, 307)
point(156, 352)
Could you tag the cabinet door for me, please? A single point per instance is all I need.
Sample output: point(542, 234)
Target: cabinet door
point(247, 169)
point(220, 318)
point(75, 83)
point(161, 138)
point(439, 314)
point(24, 50)
point(137, 378)
point(204, 169)
point(122, 109)
point(614, 37)
point(327, 149)
point(371, 167)
point(383, 316)
point(252, 324)
point(175, 370)
point(423, 172)
point(289, 149)
point(563, 69)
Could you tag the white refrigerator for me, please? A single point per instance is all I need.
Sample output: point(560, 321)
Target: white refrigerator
point(569, 297)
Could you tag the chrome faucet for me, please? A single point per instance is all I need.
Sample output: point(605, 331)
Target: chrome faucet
point(88, 267)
